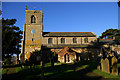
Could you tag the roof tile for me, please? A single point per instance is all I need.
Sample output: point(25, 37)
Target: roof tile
point(68, 34)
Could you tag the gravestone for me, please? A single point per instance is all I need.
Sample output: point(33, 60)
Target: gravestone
point(115, 69)
point(98, 67)
point(102, 62)
point(105, 65)
point(114, 60)
point(22, 66)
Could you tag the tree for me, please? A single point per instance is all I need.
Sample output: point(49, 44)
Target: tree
point(0, 12)
point(119, 3)
point(11, 38)
point(111, 34)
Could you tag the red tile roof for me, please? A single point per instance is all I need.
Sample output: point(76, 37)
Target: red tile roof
point(107, 39)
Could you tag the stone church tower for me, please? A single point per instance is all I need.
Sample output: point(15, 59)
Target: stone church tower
point(32, 33)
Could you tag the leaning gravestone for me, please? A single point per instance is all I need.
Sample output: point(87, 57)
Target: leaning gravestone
point(114, 60)
point(115, 69)
point(105, 65)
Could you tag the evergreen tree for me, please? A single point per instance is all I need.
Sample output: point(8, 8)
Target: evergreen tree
point(11, 38)
point(111, 34)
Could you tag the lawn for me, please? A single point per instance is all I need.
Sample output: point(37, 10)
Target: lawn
point(106, 75)
point(4, 70)
point(78, 70)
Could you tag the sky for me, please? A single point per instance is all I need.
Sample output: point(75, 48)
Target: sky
point(60, 0)
point(67, 16)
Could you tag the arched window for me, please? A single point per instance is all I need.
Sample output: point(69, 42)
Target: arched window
point(86, 40)
point(33, 19)
point(62, 40)
point(32, 39)
point(50, 40)
point(66, 58)
point(74, 40)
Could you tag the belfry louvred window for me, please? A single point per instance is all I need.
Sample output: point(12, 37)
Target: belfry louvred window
point(33, 19)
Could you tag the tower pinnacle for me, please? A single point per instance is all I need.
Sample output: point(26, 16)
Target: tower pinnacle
point(41, 8)
point(25, 7)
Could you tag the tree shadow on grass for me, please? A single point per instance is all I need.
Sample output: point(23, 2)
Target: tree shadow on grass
point(76, 75)
point(64, 72)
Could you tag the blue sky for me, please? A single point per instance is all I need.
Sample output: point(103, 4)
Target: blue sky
point(67, 16)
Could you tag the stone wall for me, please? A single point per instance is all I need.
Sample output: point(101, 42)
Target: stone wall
point(32, 41)
point(29, 13)
point(85, 53)
point(68, 40)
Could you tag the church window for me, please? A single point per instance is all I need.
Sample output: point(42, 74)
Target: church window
point(67, 57)
point(32, 39)
point(33, 19)
point(86, 40)
point(62, 40)
point(74, 40)
point(50, 40)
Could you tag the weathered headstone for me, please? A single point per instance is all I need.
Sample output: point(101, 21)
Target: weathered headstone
point(22, 66)
point(105, 65)
point(98, 67)
point(114, 60)
point(102, 61)
point(115, 69)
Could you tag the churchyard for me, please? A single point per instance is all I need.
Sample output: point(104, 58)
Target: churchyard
point(104, 67)
point(77, 70)
point(98, 60)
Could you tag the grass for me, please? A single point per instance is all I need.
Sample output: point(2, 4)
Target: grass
point(107, 75)
point(99, 72)
point(4, 71)
point(118, 65)
point(60, 71)
point(18, 69)
point(29, 73)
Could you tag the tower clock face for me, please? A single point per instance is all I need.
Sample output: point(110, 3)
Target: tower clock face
point(33, 31)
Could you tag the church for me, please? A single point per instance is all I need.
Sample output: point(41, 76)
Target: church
point(69, 46)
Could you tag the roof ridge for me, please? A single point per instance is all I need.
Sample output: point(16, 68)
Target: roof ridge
point(94, 33)
point(107, 39)
point(70, 32)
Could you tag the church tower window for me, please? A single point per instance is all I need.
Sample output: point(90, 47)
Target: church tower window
point(33, 19)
